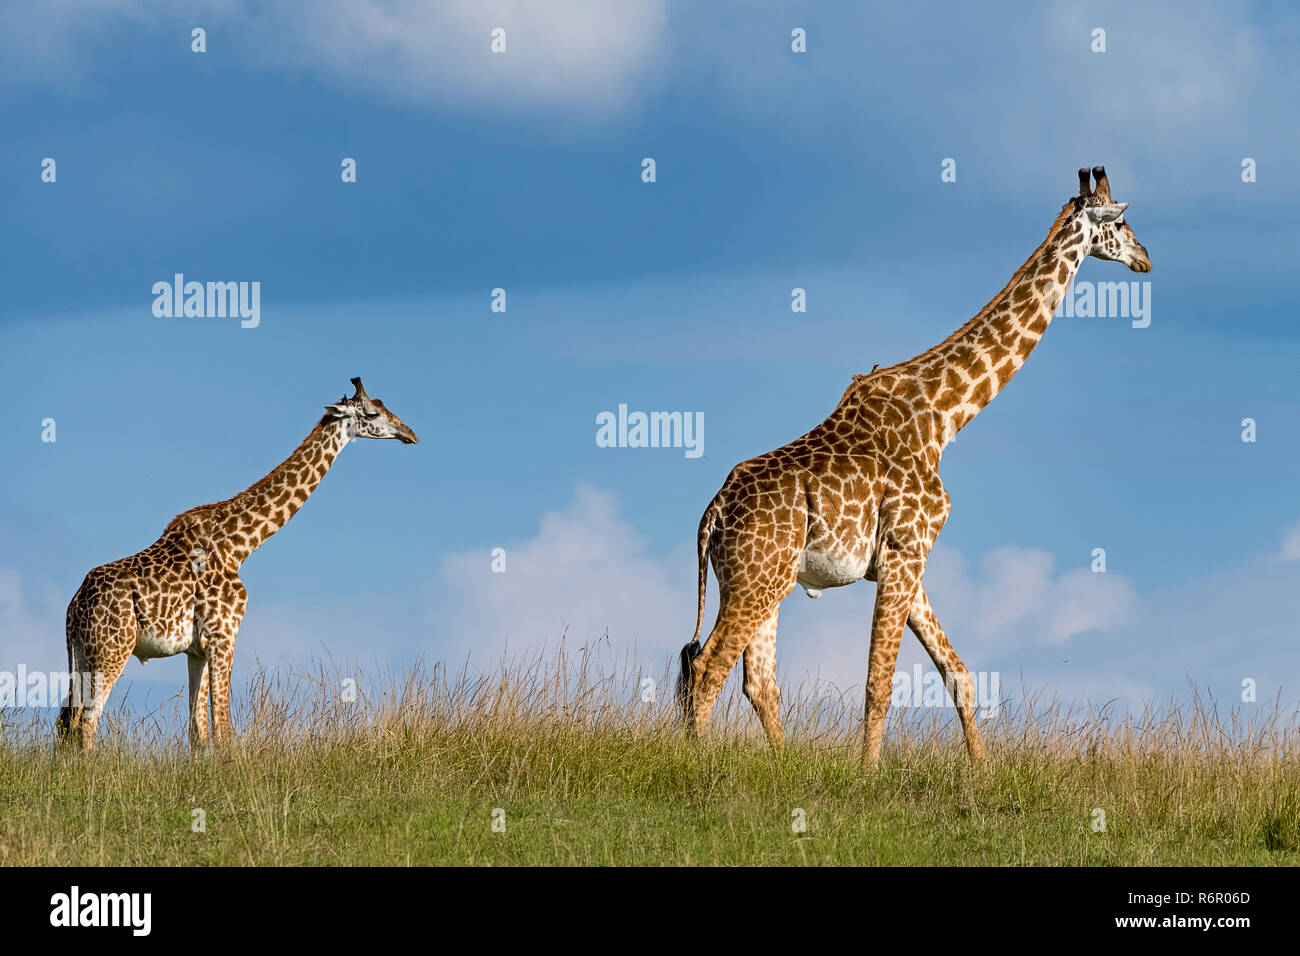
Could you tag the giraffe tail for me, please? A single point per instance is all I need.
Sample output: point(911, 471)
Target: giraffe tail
point(692, 650)
point(69, 716)
point(702, 542)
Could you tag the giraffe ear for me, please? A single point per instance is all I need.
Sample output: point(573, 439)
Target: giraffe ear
point(1107, 212)
point(339, 411)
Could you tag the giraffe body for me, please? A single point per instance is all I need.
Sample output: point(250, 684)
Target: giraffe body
point(182, 594)
point(859, 497)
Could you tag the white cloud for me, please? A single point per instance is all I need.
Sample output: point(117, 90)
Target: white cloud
point(1016, 597)
point(56, 42)
point(587, 573)
point(561, 53)
point(31, 625)
point(1010, 605)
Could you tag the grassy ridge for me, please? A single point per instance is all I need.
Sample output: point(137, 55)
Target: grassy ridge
point(588, 773)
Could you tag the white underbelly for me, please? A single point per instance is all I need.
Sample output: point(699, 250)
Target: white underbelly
point(150, 643)
point(820, 569)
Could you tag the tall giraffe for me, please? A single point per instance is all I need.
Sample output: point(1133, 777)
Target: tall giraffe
point(182, 594)
point(859, 496)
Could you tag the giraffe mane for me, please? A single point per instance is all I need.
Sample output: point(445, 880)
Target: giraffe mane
point(876, 375)
point(201, 510)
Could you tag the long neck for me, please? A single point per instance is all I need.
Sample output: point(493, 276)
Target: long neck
point(963, 373)
point(252, 516)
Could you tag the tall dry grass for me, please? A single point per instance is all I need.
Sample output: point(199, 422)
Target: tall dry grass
point(579, 755)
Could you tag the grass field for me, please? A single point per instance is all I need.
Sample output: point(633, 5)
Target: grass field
point(582, 771)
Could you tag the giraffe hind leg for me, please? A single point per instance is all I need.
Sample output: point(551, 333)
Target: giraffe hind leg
point(105, 648)
point(711, 666)
point(750, 593)
point(736, 627)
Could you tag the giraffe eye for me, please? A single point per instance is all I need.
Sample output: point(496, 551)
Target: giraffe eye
point(372, 415)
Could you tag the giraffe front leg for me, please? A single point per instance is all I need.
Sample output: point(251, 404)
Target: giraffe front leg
point(954, 673)
point(898, 576)
point(199, 686)
point(760, 685)
point(220, 664)
point(222, 618)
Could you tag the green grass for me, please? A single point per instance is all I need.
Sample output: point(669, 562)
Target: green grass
point(588, 774)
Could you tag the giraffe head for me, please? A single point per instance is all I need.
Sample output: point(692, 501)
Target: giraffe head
point(1111, 237)
point(367, 417)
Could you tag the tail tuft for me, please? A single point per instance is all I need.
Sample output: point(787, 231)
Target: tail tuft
point(63, 725)
point(686, 677)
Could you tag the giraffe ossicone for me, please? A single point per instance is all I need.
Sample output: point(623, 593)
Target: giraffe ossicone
point(859, 497)
point(182, 594)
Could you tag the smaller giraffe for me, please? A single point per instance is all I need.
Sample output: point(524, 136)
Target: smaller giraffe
point(182, 594)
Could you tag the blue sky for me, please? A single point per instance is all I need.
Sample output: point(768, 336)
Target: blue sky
point(775, 170)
